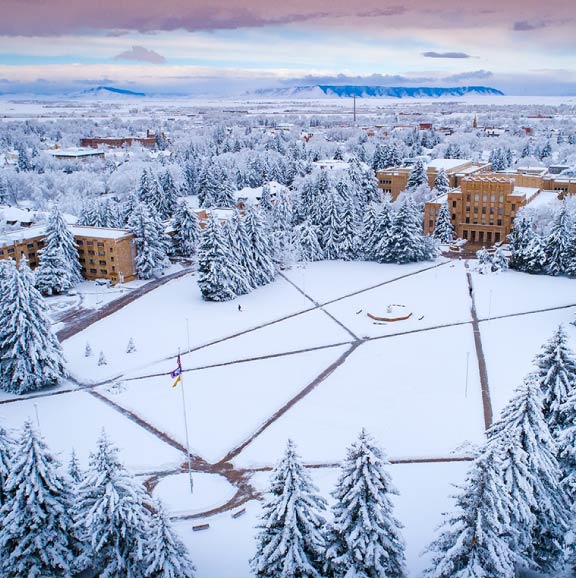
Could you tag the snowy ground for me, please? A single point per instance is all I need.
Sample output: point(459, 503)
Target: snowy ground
point(301, 360)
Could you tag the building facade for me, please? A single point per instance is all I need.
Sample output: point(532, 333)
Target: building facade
point(148, 141)
point(483, 208)
point(394, 180)
point(103, 253)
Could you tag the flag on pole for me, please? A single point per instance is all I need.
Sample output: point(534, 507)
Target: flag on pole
point(177, 373)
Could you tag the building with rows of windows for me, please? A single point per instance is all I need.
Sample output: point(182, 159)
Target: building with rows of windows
point(103, 253)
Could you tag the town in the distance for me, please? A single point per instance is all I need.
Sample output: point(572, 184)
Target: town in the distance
point(285, 337)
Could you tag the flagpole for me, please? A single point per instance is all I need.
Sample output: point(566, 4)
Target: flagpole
point(186, 430)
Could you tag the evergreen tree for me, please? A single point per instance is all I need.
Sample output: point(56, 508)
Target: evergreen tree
point(150, 242)
point(30, 355)
point(214, 265)
point(35, 523)
point(102, 359)
point(237, 273)
point(368, 237)
point(128, 207)
point(88, 216)
point(208, 186)
point(131, 347)
point(308, 245)
point(556, 375)
point(74, 471)
point(187, 230)
point(485, 262)
point(557, 243)
point(87, 350)
point(527, 253)
point(383, 233)
point(6, 455)
point(112, 517)
point(441, 182)
point(537, 478)
point(266, 199)
point(242, 245)
point(406, 243)
point(418, 176)
point(262, 250)
point(59, 268)
point(145, 190)
point(444, 230)
point(166, 556)
point(499, 260)
point(290, 543)
point(169, 195)
point(365, 537)
point(475, 541)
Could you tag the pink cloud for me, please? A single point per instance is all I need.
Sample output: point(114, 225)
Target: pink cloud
point(48, 17)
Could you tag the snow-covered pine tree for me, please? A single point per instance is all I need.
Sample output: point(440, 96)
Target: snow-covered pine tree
point(30, 355)
point(557, 243)
point(527, 252)
point(127, 208)
point(36, 538)
point(290, 543)
point(382, 233)
point(266, 198)
point(102, 359)
point(499, 260)
point(74, 471)
point(169, 195)
point(245, 254)
point(59, 268)
point(214, 265)
point(258, 236)
point(208, 185)
point(131, 347)
point(111, 516)
point(365, 537)
point(6, 454)
point(367, 238)
point(149, 241)
point(475, 537)
point(406, 243)
point(441, 182)
point(307, 243)
point(87, 350)
point(332, 228)
point(532, 477)
point(418, 176)
point(88, 216)
point(363, 183)
point(187, 230)
point(165, 556)
point(485, 262)
point(281, 217)
point(556, 376)
point(145, 190)
point(224, 196)
point(444, 230)
point(238, 275)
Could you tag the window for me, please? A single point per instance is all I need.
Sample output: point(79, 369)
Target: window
point(111, 249)
point(489, 238)
point(501, 199)
point(112, 259)
point(453, 216)
point(91, 253)
point(93, 271)
point(496, 237)
point(513, 206)
point(102, 253)
point(100, 244)
point(103, 272)
point(491, 210)
point(102, 263)
point(30, 246)
point(113, 268)
point(484, 198)
point(476, 209)
point(430, 223)
point(454, 204)
point(10, 250)
point(500, 211)
point(483, 210)
point(468, 197)
point(91, 262)
point(80, 242)
point(90, 243)
point(1, 251)
point(499, 222)
point(468, 209)
point(82, 261)
point(476, 197)
point(31, 255)
point(492, 198)
point(467, 219)
point(481, 236)
point(80, 251)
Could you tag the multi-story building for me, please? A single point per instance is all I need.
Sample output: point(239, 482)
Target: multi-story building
point(103, 253)
point(483, 208)
point(148, 141)
point(394, 180)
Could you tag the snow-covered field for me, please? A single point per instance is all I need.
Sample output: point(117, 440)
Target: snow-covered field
point(325, 370)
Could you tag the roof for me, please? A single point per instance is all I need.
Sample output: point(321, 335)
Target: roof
point(10, 214)
point(73, 153)
point(26, 234)
point(255, 194)
point(447, 164)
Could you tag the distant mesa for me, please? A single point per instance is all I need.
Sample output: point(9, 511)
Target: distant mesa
point(348, 91)
point(100, 91)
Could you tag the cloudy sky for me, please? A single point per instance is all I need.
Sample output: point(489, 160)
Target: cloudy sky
point(201, 46)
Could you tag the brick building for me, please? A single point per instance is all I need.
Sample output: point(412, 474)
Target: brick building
point(483, 208)
point(394, 180)
point(148, 141)
point(103, 253)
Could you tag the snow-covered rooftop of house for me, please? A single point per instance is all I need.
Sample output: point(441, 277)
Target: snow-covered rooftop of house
point(14, 214)
point(470, 169)
point(74, 152)
point(254, 194)
point(528, 191)
point(447, 164)
point(331, 164)
point(441, 198)
point(545, 198)
point(24, 234)
point(99, 232)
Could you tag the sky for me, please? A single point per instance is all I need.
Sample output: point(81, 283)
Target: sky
point(227, 47)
